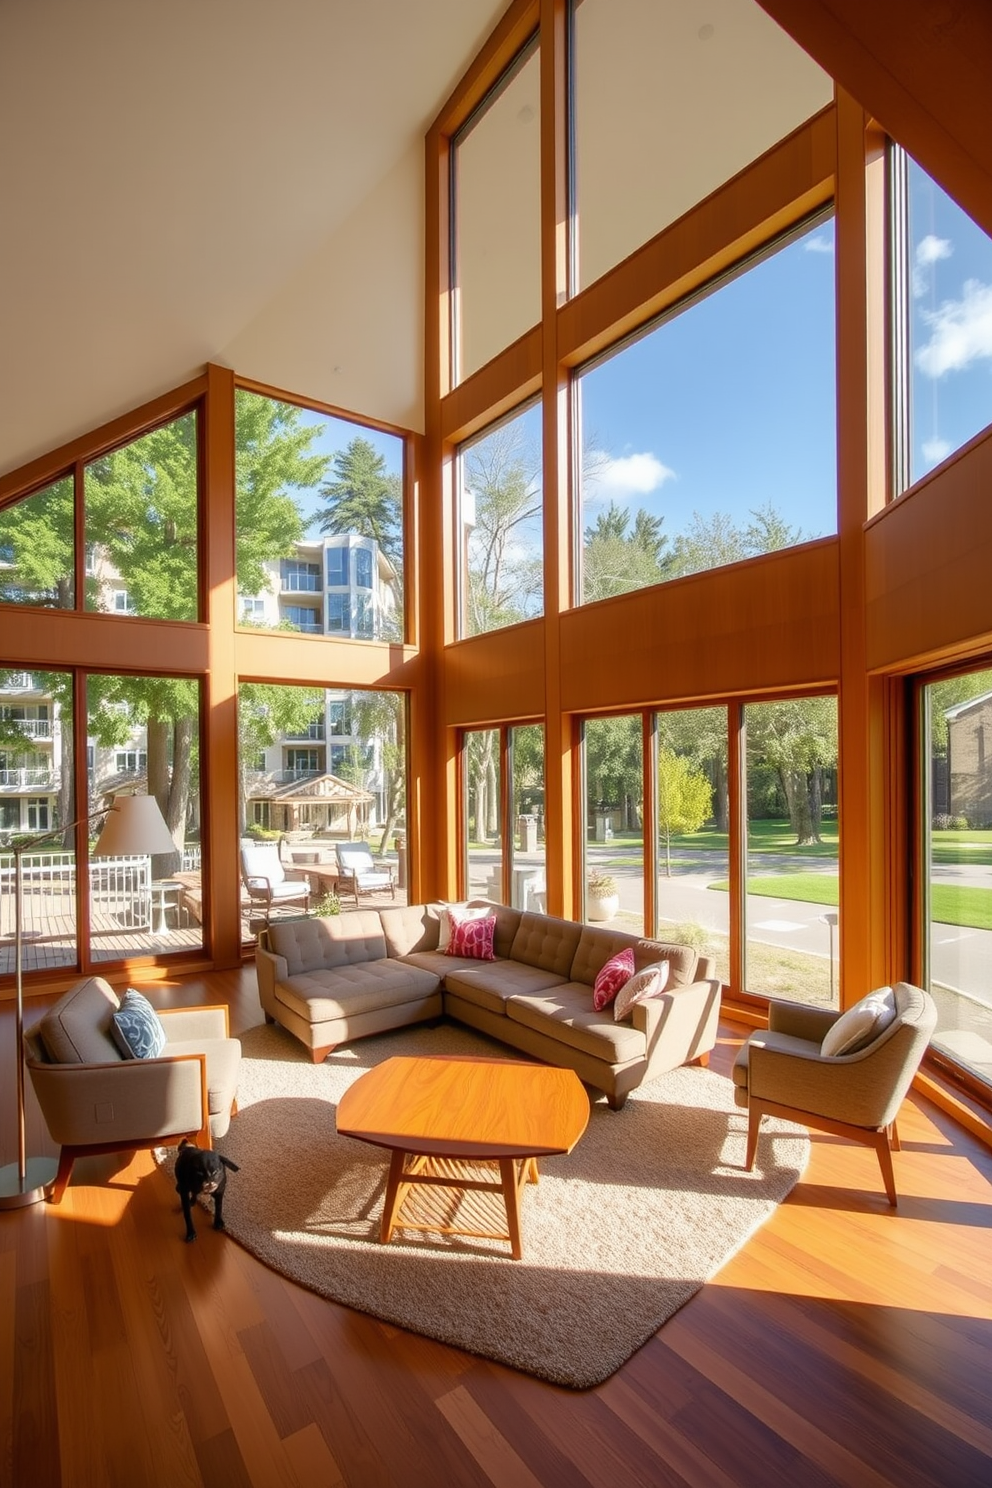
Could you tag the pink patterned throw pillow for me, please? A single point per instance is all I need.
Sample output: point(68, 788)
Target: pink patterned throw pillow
point(471, 936)
point(619, 969)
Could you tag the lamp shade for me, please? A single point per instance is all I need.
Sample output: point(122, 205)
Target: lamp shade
point(134, 825)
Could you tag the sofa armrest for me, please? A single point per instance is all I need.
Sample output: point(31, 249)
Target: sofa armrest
point(135, 1100)
point(685, 1017)
point(186, 1025)
point(799, 1020)
point(270, 968)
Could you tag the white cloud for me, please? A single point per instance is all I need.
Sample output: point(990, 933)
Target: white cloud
point(610, 479)
point(960, 332)
point(929, 250)
point(935, 450)
point(819, 244)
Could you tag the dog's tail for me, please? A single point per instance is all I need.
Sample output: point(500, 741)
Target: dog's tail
point(228, 1163)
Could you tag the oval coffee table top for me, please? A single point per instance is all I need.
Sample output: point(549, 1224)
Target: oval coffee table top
point(458, 1106)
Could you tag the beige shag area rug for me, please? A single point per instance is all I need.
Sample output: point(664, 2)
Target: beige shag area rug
point(617, 1235)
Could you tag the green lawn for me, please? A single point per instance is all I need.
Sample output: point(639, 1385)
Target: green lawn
point(762, 836)
point(961, 847)
point(949, 904)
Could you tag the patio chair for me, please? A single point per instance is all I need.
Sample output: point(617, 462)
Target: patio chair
point(359, 872)
point(268, 882)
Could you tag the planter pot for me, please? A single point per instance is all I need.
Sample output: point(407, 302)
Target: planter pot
point(602, 909)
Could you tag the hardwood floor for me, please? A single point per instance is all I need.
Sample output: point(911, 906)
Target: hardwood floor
point(845, 1344)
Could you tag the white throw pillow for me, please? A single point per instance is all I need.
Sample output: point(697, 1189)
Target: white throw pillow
point(465, 912)
point(650, 982)
point(861, 1024)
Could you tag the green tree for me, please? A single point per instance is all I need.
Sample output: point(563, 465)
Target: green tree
point(685, 798)
point(273, 458)
point(710, 542)
point(614, 765)
point(364, 498)
point(798, 739)
point(701, 735)
point(505, 567)
point(616, 560)
point(37, 548)
point(380, 719)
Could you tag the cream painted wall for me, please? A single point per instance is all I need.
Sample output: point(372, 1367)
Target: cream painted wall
point(347, 329)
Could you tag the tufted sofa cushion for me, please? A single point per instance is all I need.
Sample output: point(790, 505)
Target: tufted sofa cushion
point(409, 928)
point(597, 946)
point(547, 943)
point(329, 941)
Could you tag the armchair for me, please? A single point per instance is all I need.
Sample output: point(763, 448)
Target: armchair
point(95, 1101)
point(358, 871)
point(267, 881)
point(784, 1072)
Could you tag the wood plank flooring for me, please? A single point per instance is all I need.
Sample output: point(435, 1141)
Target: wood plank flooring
point(845, 1344)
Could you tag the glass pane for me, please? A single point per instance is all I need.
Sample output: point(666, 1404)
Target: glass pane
point(712, 437)
point(958, 875)
point(528, 886)
point(614, 848)
point(319, 519)
point(496, 268)
point(791, 947)
point(141, 525)
point(654, 89)
point(950, 342)
point(143, 739)
point(37, 549)
point(321, 766)
point(36, 797)
point(483, 794)
point(501, 511)
point(693, 817)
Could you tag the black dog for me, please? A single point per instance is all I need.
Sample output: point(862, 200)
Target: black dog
point(200, 1171)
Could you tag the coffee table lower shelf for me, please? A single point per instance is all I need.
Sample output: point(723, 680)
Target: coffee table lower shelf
point(437, 1172)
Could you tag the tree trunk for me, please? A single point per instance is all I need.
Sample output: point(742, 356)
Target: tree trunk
point(797, 795)
point(158, 734)
point(721, 811)
point(67, 780)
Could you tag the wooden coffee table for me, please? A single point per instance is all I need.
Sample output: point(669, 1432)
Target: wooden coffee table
point(439, 1110)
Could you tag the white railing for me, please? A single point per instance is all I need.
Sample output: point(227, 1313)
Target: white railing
point(191, 859)
point(29, 779)
point(120, 894)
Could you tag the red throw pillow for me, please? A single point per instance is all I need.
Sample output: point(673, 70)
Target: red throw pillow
point(619, 969)
point(471, 936)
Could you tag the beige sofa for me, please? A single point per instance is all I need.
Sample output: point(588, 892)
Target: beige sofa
point(333, 979)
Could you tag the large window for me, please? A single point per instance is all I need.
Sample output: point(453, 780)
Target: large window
point(141, 525)
point(956, 849)
point(792, 888)
point(37, 549)
point(614, 836)
point(496, 190)
point(670, 101)
point(943, 309)
point(501, 562)
point(482, 793)
point(711, 437)
point(693, 805)
point(308, 486)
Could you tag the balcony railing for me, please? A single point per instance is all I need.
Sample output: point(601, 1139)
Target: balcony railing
point(31, 728)
point(120, 893)
point(29, 779)
point(302, 583)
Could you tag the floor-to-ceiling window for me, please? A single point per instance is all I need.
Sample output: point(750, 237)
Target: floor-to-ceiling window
point(955, 849)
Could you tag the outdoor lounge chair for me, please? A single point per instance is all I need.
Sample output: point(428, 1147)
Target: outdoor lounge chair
point(359, 872)
point(268, 882)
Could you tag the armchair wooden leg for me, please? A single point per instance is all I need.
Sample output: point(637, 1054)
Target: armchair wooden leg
point(66, 1159)
point(753, 1125)
point(894, 1143)
point(881, 1145)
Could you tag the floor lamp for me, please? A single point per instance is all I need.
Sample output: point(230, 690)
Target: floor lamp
point(134, 826)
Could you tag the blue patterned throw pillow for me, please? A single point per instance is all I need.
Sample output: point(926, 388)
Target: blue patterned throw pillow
point(137, 1028)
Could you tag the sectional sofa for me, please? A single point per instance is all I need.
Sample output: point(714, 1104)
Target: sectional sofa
point(329, 980)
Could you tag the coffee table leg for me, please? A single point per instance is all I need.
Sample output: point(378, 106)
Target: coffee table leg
point(532, 1173)
point(511, 1197)
point(392, 1200)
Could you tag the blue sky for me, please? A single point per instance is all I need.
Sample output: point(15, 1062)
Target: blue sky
point(730, 404)
point(951, 327)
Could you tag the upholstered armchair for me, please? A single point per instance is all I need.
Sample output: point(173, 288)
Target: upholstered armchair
point(853, 1084)
point(95, 1100)
point(359, 872)
point(267, 881)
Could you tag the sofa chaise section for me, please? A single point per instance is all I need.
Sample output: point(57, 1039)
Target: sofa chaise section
point(330, 979)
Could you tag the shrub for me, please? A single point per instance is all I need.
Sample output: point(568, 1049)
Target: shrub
point(328, 904)
point(601, 885)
